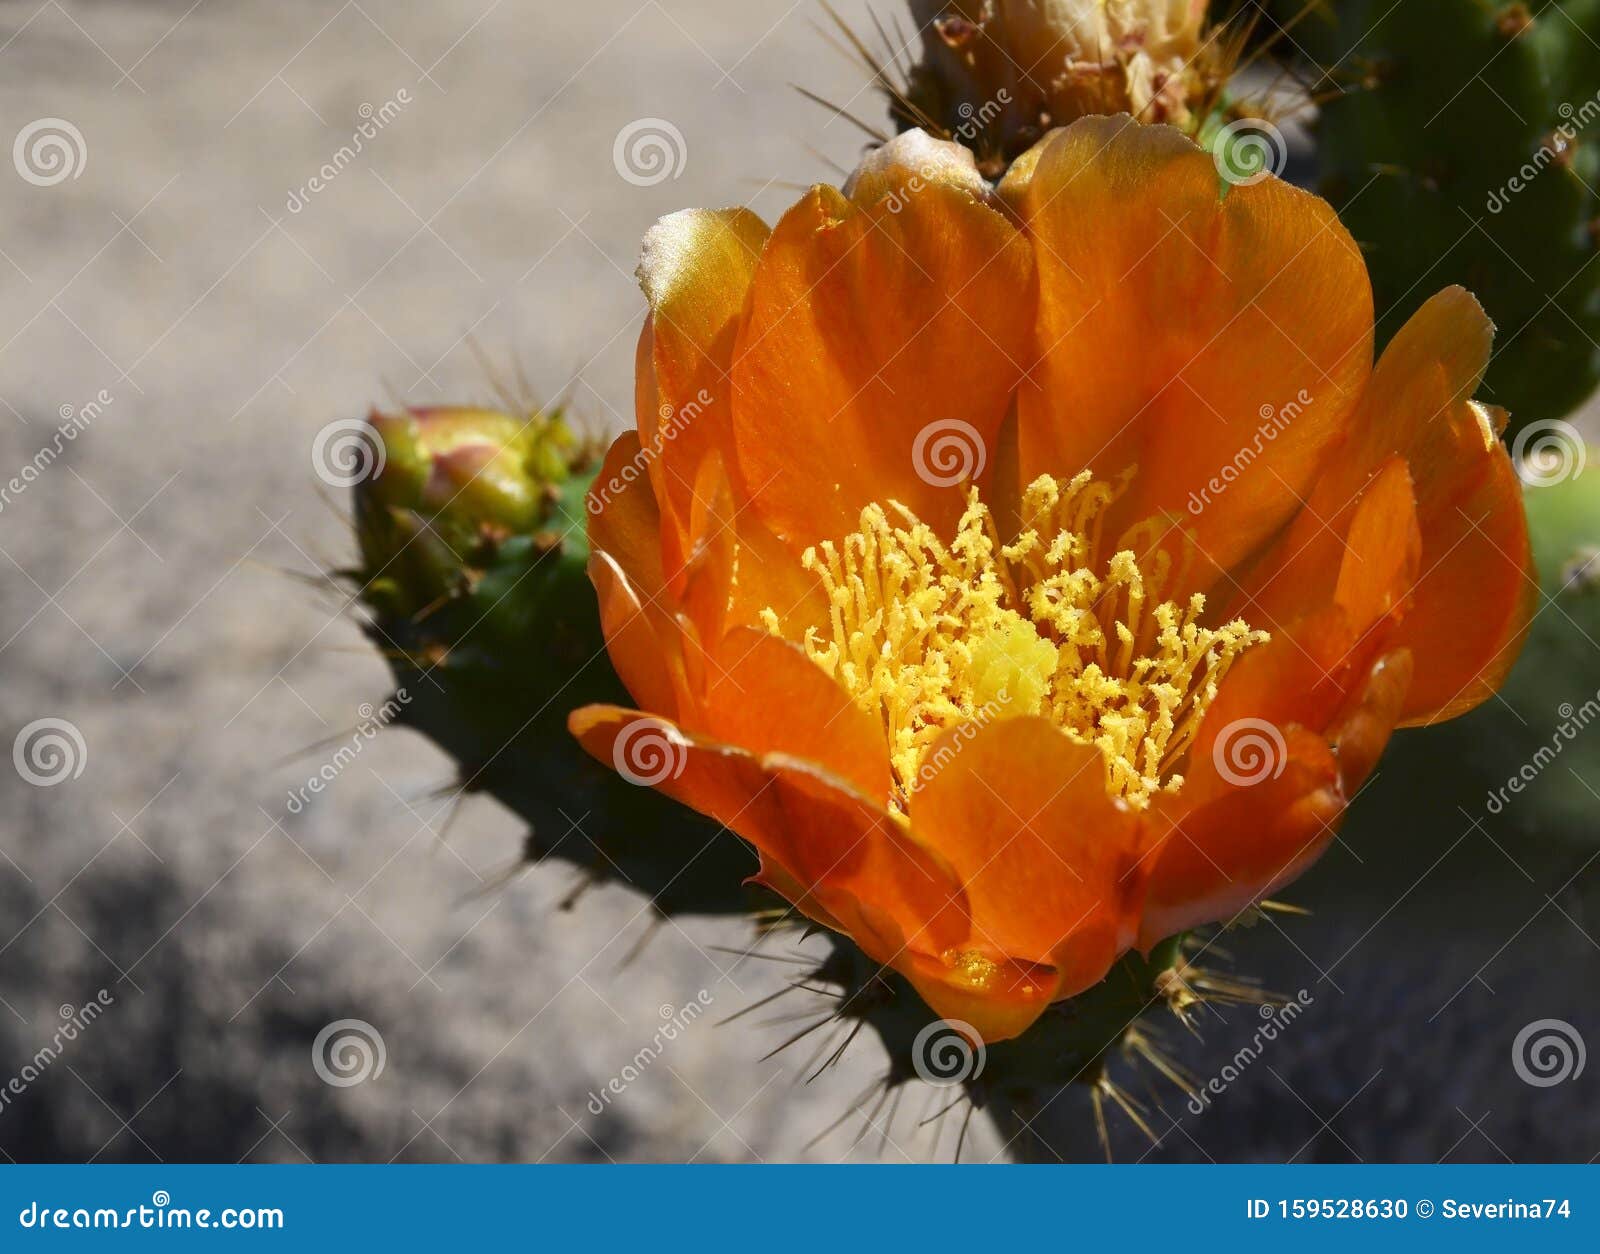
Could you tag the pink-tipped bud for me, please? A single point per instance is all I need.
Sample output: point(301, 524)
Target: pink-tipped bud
point(449, 484)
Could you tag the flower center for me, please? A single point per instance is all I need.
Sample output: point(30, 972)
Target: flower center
point(930, 636)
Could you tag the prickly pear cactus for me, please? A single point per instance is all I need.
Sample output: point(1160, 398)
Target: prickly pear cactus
point(1460, 142)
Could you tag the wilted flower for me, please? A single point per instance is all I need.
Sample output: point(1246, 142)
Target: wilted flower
point(999, 73)
point(917, 600)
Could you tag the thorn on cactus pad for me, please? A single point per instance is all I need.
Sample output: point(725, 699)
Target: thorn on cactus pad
point(1129, 1105)
point(1144, 1043)
point(1175, 990)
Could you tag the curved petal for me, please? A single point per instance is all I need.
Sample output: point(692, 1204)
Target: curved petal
point(1475, 599)
point(704, 582)
point(695, 270)
point(1362, 731)
point(644, 645)
point(1303, 676)
point(1221, 846)
point(1477, 587)
point(1383, 551)
point(1047, 859)
point(642, 635)
point(1185, 332)
point(624, 518)
point(735, 570)
point(1306, 672)
point(911, 161)
point(758, 675)
point(1263, 803)
point(867, 329)
point(852, 862)
point(1009, 1000)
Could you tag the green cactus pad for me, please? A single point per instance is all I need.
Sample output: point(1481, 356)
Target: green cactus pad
point(1464, 147)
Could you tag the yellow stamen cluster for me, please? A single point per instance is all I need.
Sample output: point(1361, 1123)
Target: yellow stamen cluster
point(930, 636)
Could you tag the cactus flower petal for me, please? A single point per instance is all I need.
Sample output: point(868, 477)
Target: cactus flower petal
point(863, 325)
point(1229, 844)
point(1475, 596)
point(1177, 326)
point(696, 270)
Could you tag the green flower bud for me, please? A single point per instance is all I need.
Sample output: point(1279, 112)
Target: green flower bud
point(451, 485)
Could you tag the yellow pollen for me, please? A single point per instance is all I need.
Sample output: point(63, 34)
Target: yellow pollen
point(971, 969)
point(929, 636)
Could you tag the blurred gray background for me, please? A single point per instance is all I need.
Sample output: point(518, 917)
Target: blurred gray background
point(147, 598)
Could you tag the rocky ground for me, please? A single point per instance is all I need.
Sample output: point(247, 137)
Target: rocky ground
point(214, 309)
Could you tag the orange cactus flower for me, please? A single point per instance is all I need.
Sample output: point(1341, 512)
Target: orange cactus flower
point(1031, 573)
